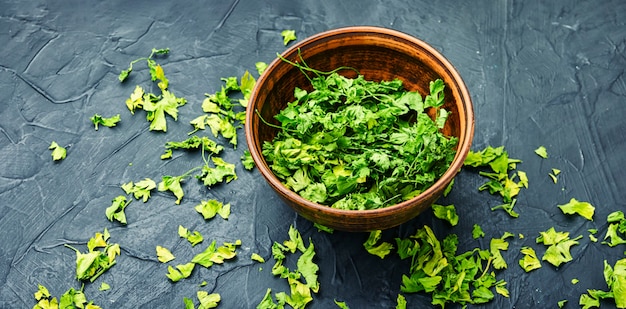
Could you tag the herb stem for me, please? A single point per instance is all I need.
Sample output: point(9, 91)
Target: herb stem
point(272, 125)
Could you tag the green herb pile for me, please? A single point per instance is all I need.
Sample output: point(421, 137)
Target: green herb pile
point(356, 144)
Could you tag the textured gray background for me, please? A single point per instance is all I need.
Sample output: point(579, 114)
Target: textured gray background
point(540, 73)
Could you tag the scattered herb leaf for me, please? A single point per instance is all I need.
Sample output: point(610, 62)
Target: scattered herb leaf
point(559, 244)
point(260, 67)
point(381, 250)
point(141, 189)
point(246, 160)
point(193, 238)
point(530, 261)
point(447, 213)
point(208, 209)
point(584, 209)
point(93, 263)
point(257, 257)
point(58, 152)
point(542, 152)
point(288, 36)
point(116, 210)
point(164, 255)
point(107, 122)
point(477, 231)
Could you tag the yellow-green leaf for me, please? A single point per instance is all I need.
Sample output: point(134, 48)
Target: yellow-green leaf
point(164, 255)
point(584, 209)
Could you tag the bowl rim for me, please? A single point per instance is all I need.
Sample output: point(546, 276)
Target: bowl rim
point(448, 175)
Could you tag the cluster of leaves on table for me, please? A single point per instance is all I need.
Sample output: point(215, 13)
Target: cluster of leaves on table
point(435, 265)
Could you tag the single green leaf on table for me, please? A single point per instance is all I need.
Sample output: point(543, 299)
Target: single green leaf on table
point(529, 261)
point(135, 101)
point(246, 85)
point(508, 207)
point(208, 300)
point(246, 160)
point(157, 107)
point(58, 152)
point(341, 304)
point(401, 302)
point(213, 254)
point(288, 36)
point(96, 119)
point(159, 74)
point(164, 255)
point(116, 210)
point(616, 232)
point(173, 184)
point(257, 257)
point(104, 286)
point(371, 245)
point(447, 213)
point(561, 303)
point(542, 152)
point(260, 67)
point(495, 246)
point(584, 209)
point(477, 231)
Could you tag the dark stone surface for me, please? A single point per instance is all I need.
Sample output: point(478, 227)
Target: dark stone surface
point(540, 73)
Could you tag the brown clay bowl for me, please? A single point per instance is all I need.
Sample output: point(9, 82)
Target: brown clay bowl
point(379, 54)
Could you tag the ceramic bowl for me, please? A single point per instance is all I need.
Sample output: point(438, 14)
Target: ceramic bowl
point(378, 54)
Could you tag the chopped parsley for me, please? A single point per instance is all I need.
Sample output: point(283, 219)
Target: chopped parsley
point(58, 152)
point(356, 144)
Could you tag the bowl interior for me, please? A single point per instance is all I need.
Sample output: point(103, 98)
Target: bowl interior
point(378, 54)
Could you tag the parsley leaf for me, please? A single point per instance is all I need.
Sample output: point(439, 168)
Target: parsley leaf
point(616, 232)
point(381, 250)
point(58, 152)
point(260, 67)
point(158, 106)
point(246, 160)
point(223, 171)
point(107, 122)
point(151, 64)
point(208, 209)
point(529, 261)
point(542, 152)
point(116, 210)
point(180, 272)
point(141, 189)
point(559, 245)
point(288, 36)
point(193, 238)
point(173, 184)
point(93, 263)
point(447, 213)
point(164, 255)
point(477, 231)
point(584, 209)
